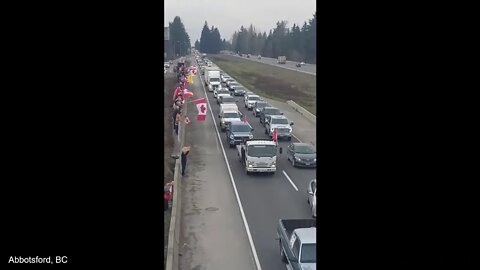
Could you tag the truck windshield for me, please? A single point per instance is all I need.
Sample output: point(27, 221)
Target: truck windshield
point(240, 128)
point(309, 253)
point(230, 115)
point(261, 150)
point(214, 79)
point(253, 98)
point(280, 121)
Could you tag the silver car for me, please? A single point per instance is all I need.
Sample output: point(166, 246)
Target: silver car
point(312, 196)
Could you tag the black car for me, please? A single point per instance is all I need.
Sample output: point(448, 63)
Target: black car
point(268, 111)
point(302, 154)
point(259, 105)
point(239, 91)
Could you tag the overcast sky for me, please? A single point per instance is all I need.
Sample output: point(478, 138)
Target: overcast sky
point(229, 15)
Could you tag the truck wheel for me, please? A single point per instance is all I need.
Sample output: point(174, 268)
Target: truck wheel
point(282, 254)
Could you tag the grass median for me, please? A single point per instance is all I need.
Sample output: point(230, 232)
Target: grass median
point(271, 82)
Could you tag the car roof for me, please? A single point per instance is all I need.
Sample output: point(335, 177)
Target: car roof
point(302, 144)
point(253, 95)
point(277, 117)
point(307, 235)
point(271, 107)
point(260, 142)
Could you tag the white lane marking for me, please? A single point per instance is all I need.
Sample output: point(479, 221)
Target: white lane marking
point(250, 239)
point(291, 182)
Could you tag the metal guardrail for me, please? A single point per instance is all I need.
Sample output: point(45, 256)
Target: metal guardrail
point(302, 111)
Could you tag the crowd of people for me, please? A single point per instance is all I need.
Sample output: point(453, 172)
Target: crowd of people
point(178, 103)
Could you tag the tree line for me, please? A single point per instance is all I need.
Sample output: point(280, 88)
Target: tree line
point(296, 43)
point(179, 38)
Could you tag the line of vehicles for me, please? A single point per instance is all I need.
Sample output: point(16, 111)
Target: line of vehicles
point(296, 237)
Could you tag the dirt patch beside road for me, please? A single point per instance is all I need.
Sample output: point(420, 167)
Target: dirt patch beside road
point(270, 81)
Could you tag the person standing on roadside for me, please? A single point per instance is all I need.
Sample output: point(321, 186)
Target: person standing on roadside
point(185, 151)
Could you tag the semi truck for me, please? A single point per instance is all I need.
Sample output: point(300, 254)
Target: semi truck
point(258, 155)
point(298, 243)
point(282, 60)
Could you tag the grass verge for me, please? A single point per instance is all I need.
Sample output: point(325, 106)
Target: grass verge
point(271, 82)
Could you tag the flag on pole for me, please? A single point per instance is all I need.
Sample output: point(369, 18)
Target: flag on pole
point(187, 120)
point(274, 136)
point(187, 93)
point(245, 118)
point(202, 109)
point(176, 93)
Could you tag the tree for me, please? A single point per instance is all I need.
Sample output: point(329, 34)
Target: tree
point(197, 44)
point(178, 35)
point(205, 39)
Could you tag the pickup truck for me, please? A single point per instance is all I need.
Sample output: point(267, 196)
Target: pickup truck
point(279, 122)
point(298, 243)
point(258, 155)
point(237, 132)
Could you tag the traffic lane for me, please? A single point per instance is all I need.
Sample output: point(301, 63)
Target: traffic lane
point(265, 198)
point(308, 68)
point(212, 231)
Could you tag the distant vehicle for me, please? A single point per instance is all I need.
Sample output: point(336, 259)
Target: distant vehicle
point(258, 106)
point(225, 78)
point(268, 111)
point(302, 155)
point(302, 63)
point(282, 60)
point(239, 54)
point(227, 115)
point(212, 80)
point(298, 243)
point(237, 132)
point(238, 91)
point(259, 57)
point(258, 155)
point(250, 101)
point(226, 100)
point(232, 85)
point(166, 64)
point(299, 65)
point(279, 122)
point(248, 55)
point(220, 95)
point(229, 81)
point(217, 92)
point(209, 63)
point(312, 196)
point(170, 62)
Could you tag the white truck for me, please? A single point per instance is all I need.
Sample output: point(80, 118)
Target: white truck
point(258, 155)
point(228, 115)
point(212, 79)
point(282, 60)
point(298, 243)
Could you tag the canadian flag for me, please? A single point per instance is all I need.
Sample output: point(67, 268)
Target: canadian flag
point(202, 108)
point(177, 92)
point(187, 93)
point(274, 135)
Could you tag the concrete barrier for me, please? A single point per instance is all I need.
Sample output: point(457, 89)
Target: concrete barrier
point(302, 111)
point(175, 216)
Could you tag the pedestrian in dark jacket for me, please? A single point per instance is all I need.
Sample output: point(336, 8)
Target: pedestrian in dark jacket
point(185, 151)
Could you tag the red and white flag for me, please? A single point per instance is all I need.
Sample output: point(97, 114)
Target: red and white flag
point(187, 120)
point(202, 109)
point(274, 135)
point(187, 93)
point(176, 93)
point(245, 118)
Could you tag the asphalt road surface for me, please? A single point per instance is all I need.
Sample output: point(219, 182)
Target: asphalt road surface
point(265, 198)
point(307, 68)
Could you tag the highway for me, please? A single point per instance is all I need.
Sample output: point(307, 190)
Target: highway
point(307, 68)
point(264, 198)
